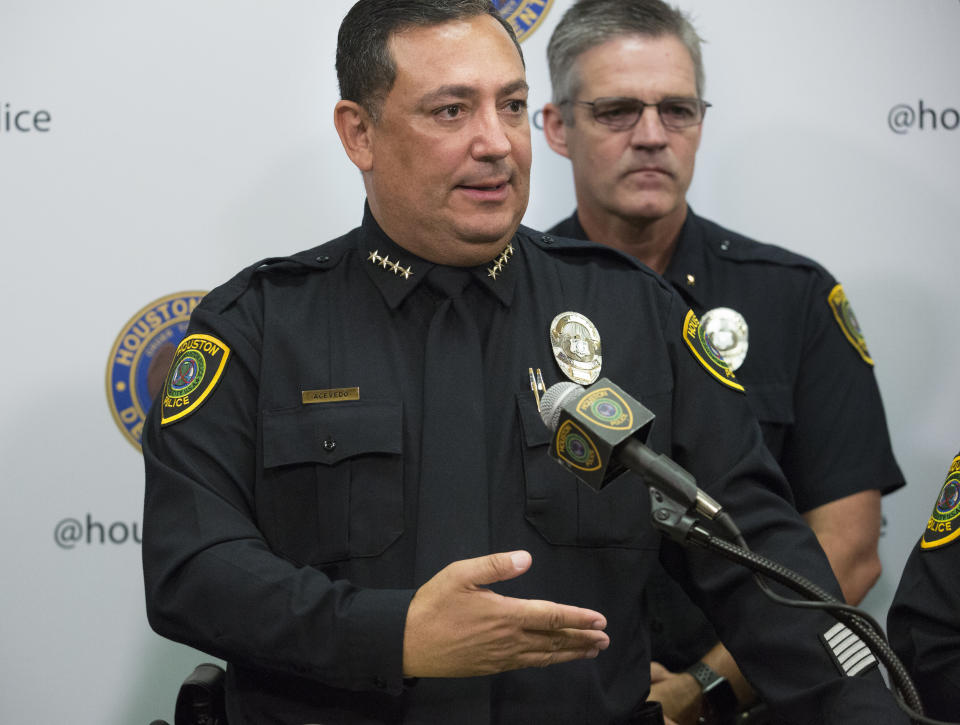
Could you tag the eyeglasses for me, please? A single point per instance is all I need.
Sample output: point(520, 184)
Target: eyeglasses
point(621, 114)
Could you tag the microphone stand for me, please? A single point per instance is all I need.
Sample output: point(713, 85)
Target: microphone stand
point(674, 520)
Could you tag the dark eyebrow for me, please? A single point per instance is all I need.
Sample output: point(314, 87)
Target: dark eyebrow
point(465, 91)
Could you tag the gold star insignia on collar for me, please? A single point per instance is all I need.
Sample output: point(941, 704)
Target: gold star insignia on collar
point(387, 263)
point(500, 262)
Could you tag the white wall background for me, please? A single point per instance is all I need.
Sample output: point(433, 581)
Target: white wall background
point(189, 139)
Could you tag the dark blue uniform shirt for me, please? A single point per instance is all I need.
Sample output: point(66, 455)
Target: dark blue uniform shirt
point(280, 536)
point(924, 618)
point(814, 394)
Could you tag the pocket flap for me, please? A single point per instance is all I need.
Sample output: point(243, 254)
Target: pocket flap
point(535, 431)
point(331, 433)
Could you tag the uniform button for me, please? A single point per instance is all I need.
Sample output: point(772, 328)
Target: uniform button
point(329, 445)
point(323, 258)
point(547, 239)
point(725, 245)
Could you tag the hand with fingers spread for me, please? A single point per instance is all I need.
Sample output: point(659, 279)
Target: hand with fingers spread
point(457, 627)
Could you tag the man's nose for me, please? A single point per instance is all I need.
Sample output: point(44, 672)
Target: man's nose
point(492, 140)
point(649, 132)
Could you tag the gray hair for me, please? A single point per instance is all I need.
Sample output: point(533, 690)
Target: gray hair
point(590, 23)
point(365, 69)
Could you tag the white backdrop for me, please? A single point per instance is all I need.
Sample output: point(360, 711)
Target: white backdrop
point(168, 145)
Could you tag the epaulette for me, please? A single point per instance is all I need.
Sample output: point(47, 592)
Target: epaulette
point(738, 248)
point(319, 258)
point(553, 243)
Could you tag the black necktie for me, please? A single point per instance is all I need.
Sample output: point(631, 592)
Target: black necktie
point(453, 510)
point(453, 518)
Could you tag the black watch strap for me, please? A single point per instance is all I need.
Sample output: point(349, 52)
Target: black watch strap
point(719, 701)
point(703, 674)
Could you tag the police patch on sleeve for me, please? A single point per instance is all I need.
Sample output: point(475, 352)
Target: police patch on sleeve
point(197, 366)
point(944, 524)
point(842, 310)
point(704, 351)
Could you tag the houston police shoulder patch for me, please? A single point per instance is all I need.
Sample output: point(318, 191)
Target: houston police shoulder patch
point(944, 524)
point(195, 372)
point(843, 312)
point(704, 351)
point(141, 356)
point(524, 15)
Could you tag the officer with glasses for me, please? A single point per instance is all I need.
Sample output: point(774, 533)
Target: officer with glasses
point(627, 81)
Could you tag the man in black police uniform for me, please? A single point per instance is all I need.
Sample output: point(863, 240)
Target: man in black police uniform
point(924, 619)
point(627, 110)
point(348, 495)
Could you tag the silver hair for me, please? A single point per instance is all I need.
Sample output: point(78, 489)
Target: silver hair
point(589, 23)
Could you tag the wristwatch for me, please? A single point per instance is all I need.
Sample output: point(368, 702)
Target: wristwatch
point(719, 701)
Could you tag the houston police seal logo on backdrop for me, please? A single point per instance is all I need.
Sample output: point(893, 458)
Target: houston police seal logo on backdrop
point(523, 15)
point(843, 312)
point(944, 524)
point(141, 357)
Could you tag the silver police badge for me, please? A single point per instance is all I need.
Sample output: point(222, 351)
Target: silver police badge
point(576, 346)
point(728, 334)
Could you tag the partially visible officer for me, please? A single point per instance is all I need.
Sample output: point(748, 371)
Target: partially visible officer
point(627, 111)
point(348, 493)
point(924, 619)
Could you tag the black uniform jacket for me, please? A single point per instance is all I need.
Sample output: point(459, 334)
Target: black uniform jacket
point(814, 393)
point(280, 536)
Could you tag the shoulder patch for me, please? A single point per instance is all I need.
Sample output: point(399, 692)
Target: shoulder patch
point(837, 299)
point(197, 367)
point(944, 524)
point(704, 351)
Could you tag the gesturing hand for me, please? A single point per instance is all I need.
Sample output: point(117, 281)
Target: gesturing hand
point(456, 627)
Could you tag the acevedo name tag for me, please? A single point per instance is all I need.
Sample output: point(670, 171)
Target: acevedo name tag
point(333, 395)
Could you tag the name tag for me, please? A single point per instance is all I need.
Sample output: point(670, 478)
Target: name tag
point(333, 395)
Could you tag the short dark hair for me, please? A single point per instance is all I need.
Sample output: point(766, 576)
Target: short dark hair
point(589, 23)
point(365, 69)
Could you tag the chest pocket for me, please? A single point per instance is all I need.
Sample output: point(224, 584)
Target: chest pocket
point(568, 512)
point(332, 480)
point(772, 403)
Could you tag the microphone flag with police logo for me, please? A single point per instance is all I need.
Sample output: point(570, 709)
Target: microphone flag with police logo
point(589, 424)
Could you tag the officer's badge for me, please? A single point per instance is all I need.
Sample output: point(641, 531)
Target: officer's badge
point(944, 524)
point(523, 15)
point(195, 372)
point(141, 357)
point(576, 347)
point(848, 322)
point(704, 351)
point(727, 332)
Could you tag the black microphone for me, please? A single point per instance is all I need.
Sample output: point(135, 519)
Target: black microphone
point(601, 430)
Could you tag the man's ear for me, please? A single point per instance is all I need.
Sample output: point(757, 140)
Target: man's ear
point(355, 128)
point(555, 129)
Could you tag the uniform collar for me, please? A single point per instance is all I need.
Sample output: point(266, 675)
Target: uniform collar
point(397, 272)
point(688, 267)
